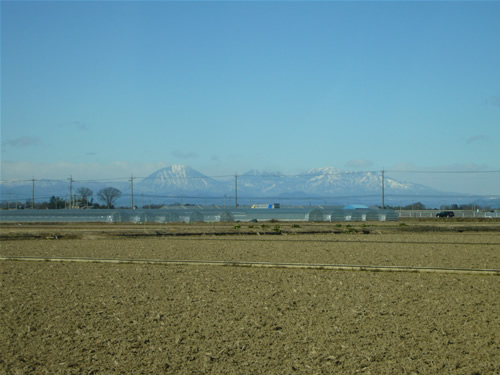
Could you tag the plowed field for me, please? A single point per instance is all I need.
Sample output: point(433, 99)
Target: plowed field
point(97, 318)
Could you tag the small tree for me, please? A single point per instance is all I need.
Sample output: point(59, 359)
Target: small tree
point(109, 195)
point(56, 203)
point(415, 206)
point(85, 193)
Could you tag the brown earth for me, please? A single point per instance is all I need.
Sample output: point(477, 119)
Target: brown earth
point(73, 318)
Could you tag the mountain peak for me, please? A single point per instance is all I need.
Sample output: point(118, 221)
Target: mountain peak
point(176, 171)
point(174, 168)
point(177, 178)
point(324, 170)
point(180, 180)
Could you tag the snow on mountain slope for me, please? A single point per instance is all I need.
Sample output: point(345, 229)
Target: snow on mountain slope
point(178, 179)
point(184, 180)
point(329, 181)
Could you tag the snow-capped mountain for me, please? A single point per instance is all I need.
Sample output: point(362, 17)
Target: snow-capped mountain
point(255, 181)
point(324, 182)
point(331, 181)
point(179, 179)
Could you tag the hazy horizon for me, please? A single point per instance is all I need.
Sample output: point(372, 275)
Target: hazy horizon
point(443, 182)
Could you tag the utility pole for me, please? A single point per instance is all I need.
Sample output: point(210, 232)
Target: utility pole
point(236, 190)
point(383, 188)
point(33, 194)
point(132, 192)
point(70, 191)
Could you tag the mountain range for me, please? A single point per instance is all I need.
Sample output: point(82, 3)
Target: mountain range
point(319, 182)
point(177, 181)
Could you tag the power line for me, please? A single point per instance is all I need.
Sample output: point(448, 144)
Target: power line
point(70, 192)
point(444, 172)
point(383, 188)
point(263, 175)
point(131, 191)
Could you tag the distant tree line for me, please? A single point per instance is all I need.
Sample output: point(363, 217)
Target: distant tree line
point(418, 206)
point(82, 199)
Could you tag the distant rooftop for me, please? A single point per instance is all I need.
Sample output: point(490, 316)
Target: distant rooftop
point(355, 206)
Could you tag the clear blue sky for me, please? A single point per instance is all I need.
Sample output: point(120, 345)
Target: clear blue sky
point(107, 89)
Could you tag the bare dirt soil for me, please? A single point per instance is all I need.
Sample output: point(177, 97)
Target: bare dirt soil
point(74, 318)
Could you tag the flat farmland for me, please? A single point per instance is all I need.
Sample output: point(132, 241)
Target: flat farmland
point(70, 317)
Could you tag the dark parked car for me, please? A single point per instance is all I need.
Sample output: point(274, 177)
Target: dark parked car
point(445, 214)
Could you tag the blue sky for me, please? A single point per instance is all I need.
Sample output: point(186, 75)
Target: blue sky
point(110, 89)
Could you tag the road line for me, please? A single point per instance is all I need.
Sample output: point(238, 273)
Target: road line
point(339, 267)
